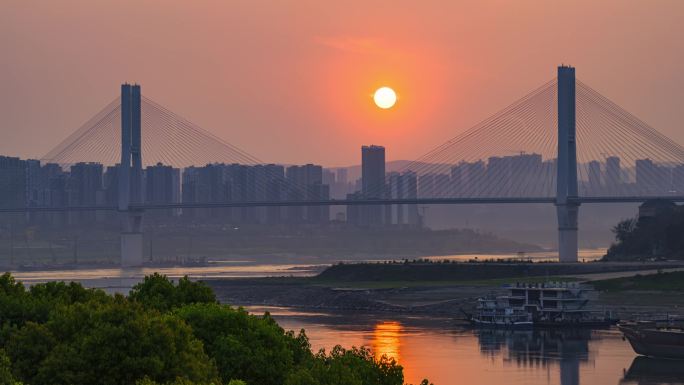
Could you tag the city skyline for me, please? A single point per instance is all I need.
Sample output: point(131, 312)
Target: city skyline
point(387, 192)
point(316, 83)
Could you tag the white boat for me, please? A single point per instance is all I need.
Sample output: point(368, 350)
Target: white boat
point(494, 312)
point(550, 304)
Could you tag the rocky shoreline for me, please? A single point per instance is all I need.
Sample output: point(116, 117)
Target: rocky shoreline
point(431, 298)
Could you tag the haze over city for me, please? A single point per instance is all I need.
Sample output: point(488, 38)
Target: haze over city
point(292, 81)
point(341, 193)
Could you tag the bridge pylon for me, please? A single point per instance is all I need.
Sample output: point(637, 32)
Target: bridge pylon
point(567, 206)
point(130, 176)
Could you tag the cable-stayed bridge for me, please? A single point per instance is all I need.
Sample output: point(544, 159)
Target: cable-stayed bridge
point(563, 144)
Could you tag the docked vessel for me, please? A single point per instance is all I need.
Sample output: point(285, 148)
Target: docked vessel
point(550, 304)
point(659, 339)
point(494, 312)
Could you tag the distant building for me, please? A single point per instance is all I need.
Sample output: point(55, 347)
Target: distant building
point(85, 184)
point(110, 182)
point(678, 179)
point(84, 188)
point(342, 176)
point(12, 182)
point(373, 171)
point(403, 186)
point(651, 179)
point(594, 177)
point(467, 178)
point(162, 185)
point(613, 177)
point(372, 184)
point(306, 183)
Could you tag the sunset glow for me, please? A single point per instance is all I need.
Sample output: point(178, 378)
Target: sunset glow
point(386, 339)
point(385, 97)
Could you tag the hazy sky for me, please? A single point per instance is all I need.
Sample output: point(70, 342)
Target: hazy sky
point(291, 81)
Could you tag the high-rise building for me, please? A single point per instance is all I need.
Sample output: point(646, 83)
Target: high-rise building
point(273, 177)
point(85, 183)
point(306, 183)
point(403, 186)
point(525, 174)
point(110, 182)
point(342, 176)
point(434, 185)
point(373, 171)
point(372, 183)
point(594, 177)
point(12, 182)
point(613, 177)
point(651, 178)
point(162, 185)
point(498, 174)
point(84, 188)
point(678, 179)
point(329, 177)
point(466, 178)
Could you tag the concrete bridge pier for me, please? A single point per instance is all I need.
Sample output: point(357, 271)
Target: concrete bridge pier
point(567, 232)
point(567, 208)
point(130, 177)
point(131, 239)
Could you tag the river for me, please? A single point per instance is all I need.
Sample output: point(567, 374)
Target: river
point(114, 279)
point(448, 354)
point(429, 347)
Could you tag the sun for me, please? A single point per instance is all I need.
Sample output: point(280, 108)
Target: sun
point(385, 97)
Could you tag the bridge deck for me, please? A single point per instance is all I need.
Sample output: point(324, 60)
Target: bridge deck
point(346, 202)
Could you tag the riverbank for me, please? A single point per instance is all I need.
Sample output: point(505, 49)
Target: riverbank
point(444, 294)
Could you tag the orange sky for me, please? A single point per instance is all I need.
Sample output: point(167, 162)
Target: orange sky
point(292, 81)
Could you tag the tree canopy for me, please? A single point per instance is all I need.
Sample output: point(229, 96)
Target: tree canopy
point(656, 236)
point(162, 333)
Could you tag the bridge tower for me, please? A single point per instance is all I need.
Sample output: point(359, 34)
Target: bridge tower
point(130, 176)
point(567, 207)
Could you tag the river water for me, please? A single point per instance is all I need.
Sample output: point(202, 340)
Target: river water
point(449, 354)
point(430, 347)
point(121, 280)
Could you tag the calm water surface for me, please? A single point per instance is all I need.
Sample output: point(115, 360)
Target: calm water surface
point(448, 354)
point(434, 348)
point(121, 280)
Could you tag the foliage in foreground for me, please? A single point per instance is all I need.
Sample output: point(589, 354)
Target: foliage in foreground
point(654, 237)
point(163, 333)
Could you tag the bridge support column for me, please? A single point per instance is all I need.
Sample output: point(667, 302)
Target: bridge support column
point(567, 232)
point(131, 239)
point(567, 208)
point(130, 177)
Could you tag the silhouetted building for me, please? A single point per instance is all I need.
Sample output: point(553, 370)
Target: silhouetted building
point(678, 179)
point(651, 179)
point(306, 183)
point(403, 186)
point(12, 182)
point(162, 185)
point(594, 177)
point(372, 184)
point(373, 171)
point(85, 184)
point(613, 177)
point(467, 178)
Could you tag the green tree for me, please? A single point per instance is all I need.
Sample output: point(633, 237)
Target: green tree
point(111, 343)
point(6, 377)
point(355, 366)
point(244, 346)
point(159, 292)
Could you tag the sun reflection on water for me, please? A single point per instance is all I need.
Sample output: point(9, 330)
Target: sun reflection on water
point(386, 339)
